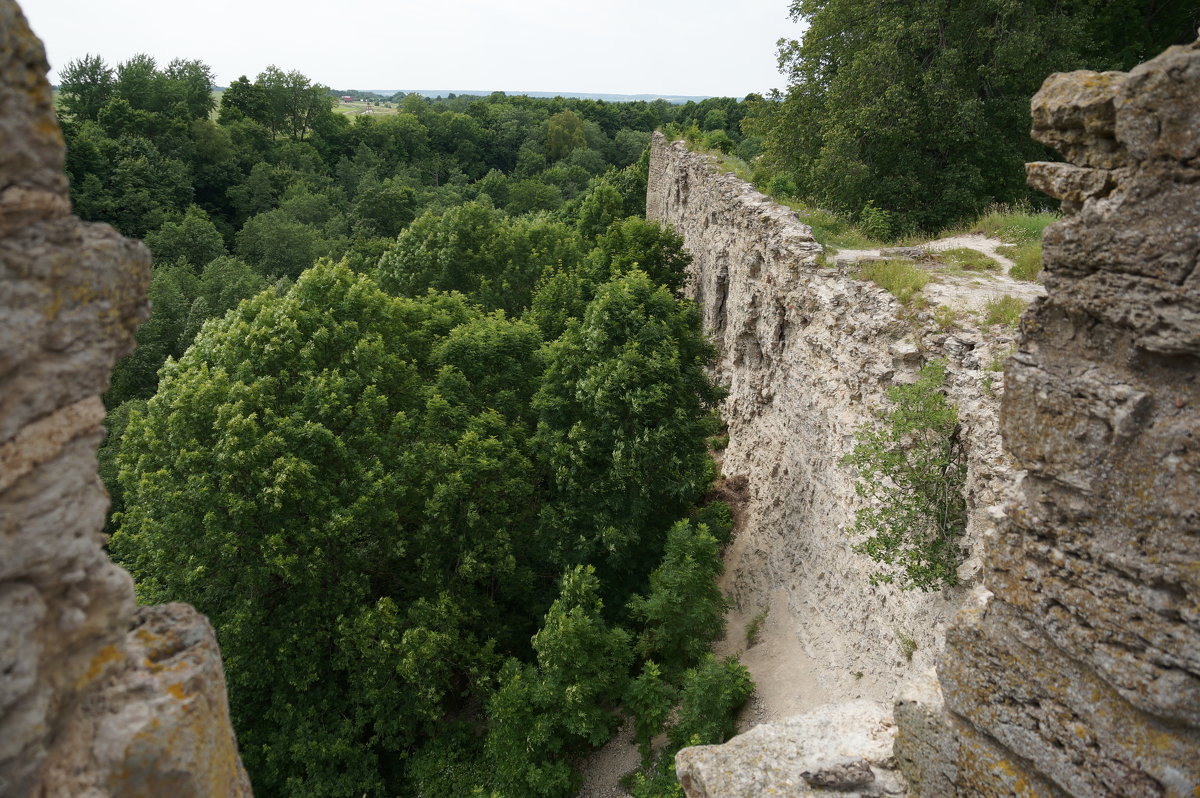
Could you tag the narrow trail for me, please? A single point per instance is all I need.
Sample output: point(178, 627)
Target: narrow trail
point(968, 291)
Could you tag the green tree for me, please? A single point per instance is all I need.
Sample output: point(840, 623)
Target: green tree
point(711, 694)
point(623, 415)
point(912, 473)
point(684, 609)
point(540, 714)
point(635, 243)
point(564, 133)
point(925, 112)
point(598, 209)
point(193, 240)
point(279, 481)
point(85, 86)
point(277, 245)
point(188, 88)
point(650, 699)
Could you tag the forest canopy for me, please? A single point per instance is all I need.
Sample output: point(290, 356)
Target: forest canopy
point(418, 420)
point(922, 111)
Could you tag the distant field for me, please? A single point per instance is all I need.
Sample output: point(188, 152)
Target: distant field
point(363, 109)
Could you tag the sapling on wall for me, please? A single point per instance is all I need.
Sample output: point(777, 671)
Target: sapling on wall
point(911, 472)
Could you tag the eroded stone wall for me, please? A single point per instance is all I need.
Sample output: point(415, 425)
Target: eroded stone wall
point(1081, 674)
point(807, 353)
point(96, 699)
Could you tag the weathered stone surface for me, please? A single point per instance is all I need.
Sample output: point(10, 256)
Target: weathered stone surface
point(71, 296)
point(839, 749)
point(1081, 675)
point(807, 353)
point(159, 723)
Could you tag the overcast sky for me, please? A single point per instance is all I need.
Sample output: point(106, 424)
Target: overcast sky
point(696, 47)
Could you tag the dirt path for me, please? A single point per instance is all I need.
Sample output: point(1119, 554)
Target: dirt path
point(962, 291)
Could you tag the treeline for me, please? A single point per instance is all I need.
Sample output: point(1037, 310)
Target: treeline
point(911, 117)
point(274, 178)
point(419, 422)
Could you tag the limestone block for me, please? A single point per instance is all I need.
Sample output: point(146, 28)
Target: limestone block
point(159, 723)
point(1157, 115)
point(1008, 678)
point(839, 749)
point(1074, 112)
point(71, 297)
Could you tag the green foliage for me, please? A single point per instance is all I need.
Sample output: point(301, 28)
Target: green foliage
point(1005, 310)
point(717, 516)
point(711, 695)
point(875, 222)
point(754, 628)
point(623, 413)
point(564, 133)
point(968, 259)
point(479, 251)
point(194, 240)
point(347, 530)
point(650, 699)
point(907, 644)
point(911, 475)
point(540, 714)
point(898, 276)
point(684, 609)
point(598, 209)
point(926, 113)
point(85, 86)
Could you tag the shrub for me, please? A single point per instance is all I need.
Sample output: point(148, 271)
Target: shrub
point(650, 699)
point(684, 609)
point(875, 222)
point(717, 516)
point(712, 694)
point(754, 628)
point(911, 472)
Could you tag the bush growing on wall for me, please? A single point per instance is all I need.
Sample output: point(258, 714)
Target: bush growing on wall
point(912, 471)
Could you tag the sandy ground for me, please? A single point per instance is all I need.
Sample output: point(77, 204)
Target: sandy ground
point(968, 292)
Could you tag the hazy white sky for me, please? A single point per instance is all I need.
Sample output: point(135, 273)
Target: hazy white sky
point(698, 47)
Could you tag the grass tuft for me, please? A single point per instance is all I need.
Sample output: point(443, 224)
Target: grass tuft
point(1027, 261)
point(898, 276)
point(968, 259)
point(754, 628)
point(1004, 310)
point(1015, 224)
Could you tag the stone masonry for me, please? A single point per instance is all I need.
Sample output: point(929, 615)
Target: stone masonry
point(1081, 674)
point(97, 699)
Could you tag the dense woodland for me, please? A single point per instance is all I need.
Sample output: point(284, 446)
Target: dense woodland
point(912, 117)
point(419, 419)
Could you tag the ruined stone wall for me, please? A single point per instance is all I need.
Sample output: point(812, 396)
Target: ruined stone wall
point(806, 353)
point(1081, 674)
point(96, 698)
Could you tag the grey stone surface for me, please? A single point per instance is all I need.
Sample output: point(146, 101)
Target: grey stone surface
point(839, 749)
point(71, 296)
point(1081, 674)
point(807, 353)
